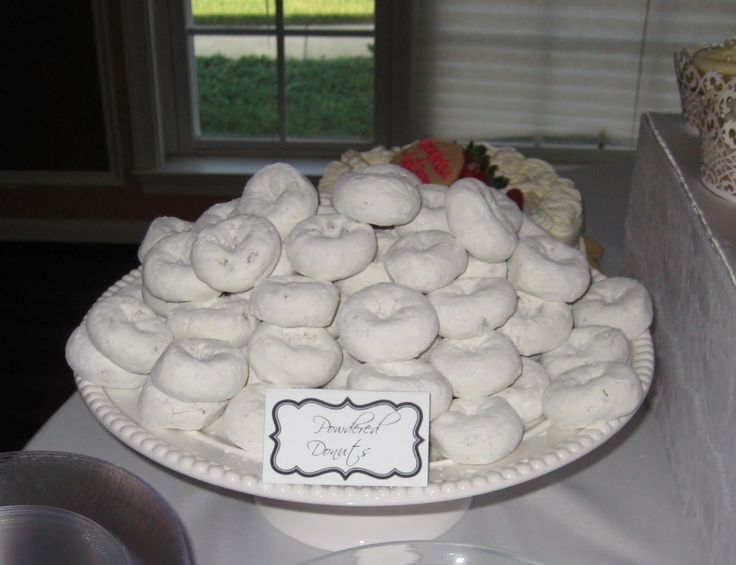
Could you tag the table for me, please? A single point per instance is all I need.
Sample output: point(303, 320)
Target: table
point(617, 505)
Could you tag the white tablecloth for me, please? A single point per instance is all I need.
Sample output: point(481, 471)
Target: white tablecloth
point(681, 242)
point(616, 505)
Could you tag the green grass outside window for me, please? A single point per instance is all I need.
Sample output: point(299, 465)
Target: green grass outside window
point(260, 12)
point(326, 98)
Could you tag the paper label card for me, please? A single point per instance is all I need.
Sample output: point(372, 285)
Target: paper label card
point(346, 437)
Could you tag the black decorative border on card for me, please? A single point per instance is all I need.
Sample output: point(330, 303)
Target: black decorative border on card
point(418, 439)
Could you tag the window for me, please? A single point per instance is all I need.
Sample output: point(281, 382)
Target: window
point(271, 79)
point(282, 70)
point(560, 80)
point(570, 74)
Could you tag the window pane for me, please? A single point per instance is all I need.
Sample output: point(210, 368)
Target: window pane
point(309, 12)
point(237, 86)
point(233, 12)
point(329, 87)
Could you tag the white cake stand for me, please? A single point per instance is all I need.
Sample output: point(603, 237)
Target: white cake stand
point(336, 517)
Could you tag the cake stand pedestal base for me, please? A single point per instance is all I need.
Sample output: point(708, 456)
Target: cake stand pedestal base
point(339, 527)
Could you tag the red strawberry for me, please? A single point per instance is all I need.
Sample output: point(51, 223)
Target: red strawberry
point(472, 169)
point(478, 166)
point(517, 196)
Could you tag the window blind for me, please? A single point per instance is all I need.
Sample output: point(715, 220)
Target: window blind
point(551, 72)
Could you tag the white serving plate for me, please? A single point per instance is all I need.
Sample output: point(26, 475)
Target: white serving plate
point(207, 456)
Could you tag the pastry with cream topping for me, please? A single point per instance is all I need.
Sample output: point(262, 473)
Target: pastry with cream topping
point(550, 201)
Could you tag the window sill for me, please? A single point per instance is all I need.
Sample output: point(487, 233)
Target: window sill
point(216, 175)
point(228, 175)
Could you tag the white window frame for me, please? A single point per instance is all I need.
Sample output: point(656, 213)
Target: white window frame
point(167, 155)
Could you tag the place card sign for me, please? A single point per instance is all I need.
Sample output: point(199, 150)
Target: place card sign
point(346, 437)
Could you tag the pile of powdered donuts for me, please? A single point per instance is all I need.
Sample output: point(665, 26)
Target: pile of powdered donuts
point(384, 284)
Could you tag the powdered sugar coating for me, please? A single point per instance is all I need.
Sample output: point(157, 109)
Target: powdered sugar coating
point(168, 274)
point(330, 247)
point(549, 269)
point(426, 260)
point(377, 198)
point(387, 322)
point(233, 254)
point(280, 194)
point(127, 332)
point(478, 222)
point(87, 362)
point(470, 306)
point(200, 370)
point(294, 357)
point(477, 431)
point(538, 325)
point(407, 376)
point(294, 301)
point(477, 366)
point(619, 302)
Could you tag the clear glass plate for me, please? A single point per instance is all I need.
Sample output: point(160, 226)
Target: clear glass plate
point(38, 535)
point(85, 496)
point(420, 553)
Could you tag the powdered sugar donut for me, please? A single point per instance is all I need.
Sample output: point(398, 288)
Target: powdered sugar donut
point(330, 247)
point(88, 363)
point(168, 274)
point(478, 222)
point(226, 318)
point(477, 366)
point(431, 215)
point(158, 229)
point(619, 302)
point(529, 228)
point(200, 370)
point(332, 329)
point(525, 394)
point(353, 161)
point(127, 332)
point(385, 199)
point(513, 213)
point(470, 306)
point(478, 268)
point(340, 380)
point(588, 344)
point(294, 357)
point(283, 265)
point(549, 269)
point(375, 272)
point(162, 307)
point(426, 260)
point(234, 254)
point(386, 322)
point(157, 409)
point(243, 420)
point(407, 376)
point(591, 393)
point(538, 325)
point(392, 169)
point(295, 301)
point(281, 194)
point(216, 213)
point(477, 431)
